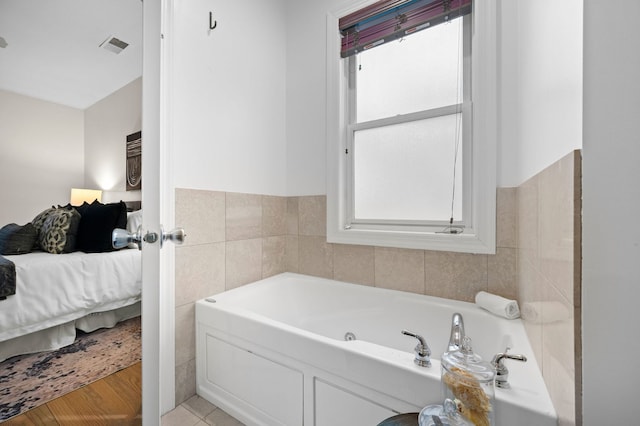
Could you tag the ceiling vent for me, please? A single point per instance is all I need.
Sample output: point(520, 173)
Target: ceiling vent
point(114, 45)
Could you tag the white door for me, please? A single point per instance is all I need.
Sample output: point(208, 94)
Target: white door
point(158, 363)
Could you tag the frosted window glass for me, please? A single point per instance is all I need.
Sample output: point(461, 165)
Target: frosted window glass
point(422, 71)
point(405, 171)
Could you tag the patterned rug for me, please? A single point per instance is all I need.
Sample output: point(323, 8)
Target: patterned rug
point(27, 381)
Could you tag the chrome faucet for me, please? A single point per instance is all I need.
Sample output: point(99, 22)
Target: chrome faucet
point(423, 353)
point(502, 373)
point(457, 332)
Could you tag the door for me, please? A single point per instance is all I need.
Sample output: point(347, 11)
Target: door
point(158, 394)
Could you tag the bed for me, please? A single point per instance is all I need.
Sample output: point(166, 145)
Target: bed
point(59, 293)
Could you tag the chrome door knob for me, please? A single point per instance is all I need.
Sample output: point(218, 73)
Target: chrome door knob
point(176, 235)
point(121, 238)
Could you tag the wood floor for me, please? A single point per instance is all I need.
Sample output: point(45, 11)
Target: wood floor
point(114, 400)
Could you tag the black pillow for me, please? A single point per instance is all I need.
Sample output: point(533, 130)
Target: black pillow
point(16, 239)
point(97, 222)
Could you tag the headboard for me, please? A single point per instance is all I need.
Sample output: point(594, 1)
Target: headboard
point(133, 205)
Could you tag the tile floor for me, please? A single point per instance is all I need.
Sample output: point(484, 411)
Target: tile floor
point(197, 411)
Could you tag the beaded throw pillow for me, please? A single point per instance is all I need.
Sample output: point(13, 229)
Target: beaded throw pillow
point(58, 232)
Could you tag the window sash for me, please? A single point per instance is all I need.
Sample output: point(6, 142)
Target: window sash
point(388, 20)
point(465, 107)
point(391, 224)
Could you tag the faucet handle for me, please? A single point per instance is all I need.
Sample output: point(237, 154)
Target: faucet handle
point(502, 372)
point(423, 353)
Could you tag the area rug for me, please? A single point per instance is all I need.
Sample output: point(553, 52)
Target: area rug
point(27, 381)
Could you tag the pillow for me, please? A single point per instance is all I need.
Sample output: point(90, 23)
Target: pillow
point(41, 217)
point(16, 239)
point(58, 232)
point(37, 222)
point(134, 220)
point(97, 223)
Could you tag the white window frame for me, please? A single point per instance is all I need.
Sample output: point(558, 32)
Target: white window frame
point(480, 185)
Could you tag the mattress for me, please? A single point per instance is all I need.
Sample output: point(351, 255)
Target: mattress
point(54, 289)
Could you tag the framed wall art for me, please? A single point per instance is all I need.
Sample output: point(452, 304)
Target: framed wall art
point(134, 161)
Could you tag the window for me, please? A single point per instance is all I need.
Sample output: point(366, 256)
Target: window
point(405, 138)
point(408, 165)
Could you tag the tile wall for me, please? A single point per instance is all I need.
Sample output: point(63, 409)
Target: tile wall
point(233, 239)
point(237, 238)
point(549, 278)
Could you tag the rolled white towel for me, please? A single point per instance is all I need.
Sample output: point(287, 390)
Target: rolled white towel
point(498, 305)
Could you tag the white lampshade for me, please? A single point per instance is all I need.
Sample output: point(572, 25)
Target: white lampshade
point(79, 196)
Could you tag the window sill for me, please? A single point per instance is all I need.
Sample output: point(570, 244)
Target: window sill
point(467, 242)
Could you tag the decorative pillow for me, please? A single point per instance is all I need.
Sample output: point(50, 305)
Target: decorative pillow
point(38, 221)
point(97, 223)
point(58, 232)
point(16, 239)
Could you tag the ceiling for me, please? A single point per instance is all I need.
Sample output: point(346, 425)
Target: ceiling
point(53, 51)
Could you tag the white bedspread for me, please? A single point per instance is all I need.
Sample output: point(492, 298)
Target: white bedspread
point(52, 289)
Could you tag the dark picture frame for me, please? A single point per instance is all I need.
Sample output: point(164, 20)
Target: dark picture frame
point(134, 161)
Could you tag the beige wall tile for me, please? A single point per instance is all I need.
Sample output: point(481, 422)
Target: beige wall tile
point(354, 264)
point(527, 197)
point(244, 262)
point(548, 271)
point(502, 277)
point(560, 383)
point(556, 224)
point(274, 255)
point(244, 216)
point(399, 269)
point(557, 331)
point(200, 272)
point(457, 276)
point(201, 214)
point(530, 288)
point(312, 215)
point(506, 217)
point(292, 253)
point(185, 333)
point(274, 216)
point(185, 381)
point(315, 256)
point(292, 215)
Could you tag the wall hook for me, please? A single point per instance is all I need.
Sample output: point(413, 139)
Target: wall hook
point(212, 24)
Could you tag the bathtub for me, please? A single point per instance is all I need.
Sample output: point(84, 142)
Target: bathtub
point(299, 350)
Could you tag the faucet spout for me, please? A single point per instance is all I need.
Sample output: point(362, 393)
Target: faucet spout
point(457, 332)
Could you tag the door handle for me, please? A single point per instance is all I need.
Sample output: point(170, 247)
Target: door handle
point(121, 238)
point(176, 235)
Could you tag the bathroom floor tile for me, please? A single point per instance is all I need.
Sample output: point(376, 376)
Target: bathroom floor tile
point(220, 418)
point(199, 406)
point(179, 416)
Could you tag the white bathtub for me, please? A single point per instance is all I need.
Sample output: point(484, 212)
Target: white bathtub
point(274, 352)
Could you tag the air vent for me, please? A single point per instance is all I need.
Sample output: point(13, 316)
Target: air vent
point(114, 45)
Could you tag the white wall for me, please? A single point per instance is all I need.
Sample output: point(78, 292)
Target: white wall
point(611, 205)
point(542, 86)
point(228, 99)
point(41, 155)
point(106, 126)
